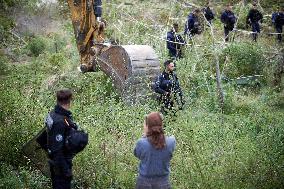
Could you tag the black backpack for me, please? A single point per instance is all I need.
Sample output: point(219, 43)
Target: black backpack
point(76, 141)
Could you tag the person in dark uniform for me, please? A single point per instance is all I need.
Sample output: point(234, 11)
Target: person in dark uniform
point(278, 22)
point(192, 25)
point(253, 18)
point(167, 85)
point(228, 18)
point(208, 13)
point(98, 9)
point(59, 123)
point(175, 42)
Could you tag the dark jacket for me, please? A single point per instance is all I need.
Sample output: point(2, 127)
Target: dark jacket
point(228, 18)
point(98, 8)
point(174, 43)
point(208, 13)
point(59, 122)
point(192, 25)
point(254, 16)
point(278, 19)
point(168, 82)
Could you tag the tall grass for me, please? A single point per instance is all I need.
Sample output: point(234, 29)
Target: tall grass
point(242, 148)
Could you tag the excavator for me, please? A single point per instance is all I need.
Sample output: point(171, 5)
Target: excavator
point(132, 68)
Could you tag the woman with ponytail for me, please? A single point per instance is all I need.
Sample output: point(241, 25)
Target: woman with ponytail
point(154, 150)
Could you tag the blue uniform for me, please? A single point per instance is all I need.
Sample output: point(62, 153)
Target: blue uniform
point(209, 15)
point(98, 8)
point(192, 25)
point(229, 20)
point(253, 18)
point(59, 123)
point(278, 21)
point(167, 85)
point(174, 44)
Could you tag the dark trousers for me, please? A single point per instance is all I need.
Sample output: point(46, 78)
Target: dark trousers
point(227, 30)
point(256, 29)
point(171, 104)
point(279, 29)
point(167, 104)
point(59, 181)
point(175, 54)
point(153, 183)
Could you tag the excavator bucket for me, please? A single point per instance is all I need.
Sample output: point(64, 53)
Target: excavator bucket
point(133, 69)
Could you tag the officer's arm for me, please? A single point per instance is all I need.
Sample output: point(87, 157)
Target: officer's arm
point(177, 87)
point(190, 24)
point(57, 148)
point(181, 40)
point(157, 86)
point(223, 18)
point(273, 17)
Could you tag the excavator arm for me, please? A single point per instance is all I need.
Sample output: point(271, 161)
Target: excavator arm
point(88, 28)
point(131, 67)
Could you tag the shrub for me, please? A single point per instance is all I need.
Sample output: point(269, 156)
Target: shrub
point(36, 46)
point(242, 59)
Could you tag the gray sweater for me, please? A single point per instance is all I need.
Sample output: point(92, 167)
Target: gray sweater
point(153, 162)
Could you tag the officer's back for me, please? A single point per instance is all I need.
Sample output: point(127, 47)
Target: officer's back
point(59, 124)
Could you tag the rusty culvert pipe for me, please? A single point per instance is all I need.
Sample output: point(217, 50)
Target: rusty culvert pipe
point(132, 68)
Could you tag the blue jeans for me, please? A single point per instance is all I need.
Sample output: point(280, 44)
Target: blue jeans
point(153, 183)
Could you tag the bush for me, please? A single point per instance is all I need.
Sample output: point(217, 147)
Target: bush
point(21, 178)
point(36, 46)
point(242, 59)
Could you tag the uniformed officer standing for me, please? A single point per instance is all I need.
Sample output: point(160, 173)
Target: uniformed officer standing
point(167, 85)
point(278, 21)
point(208, 13)
point(59, 123)
point(175, 42)
point(192, 25)
point(229, 20)
point(253, 19)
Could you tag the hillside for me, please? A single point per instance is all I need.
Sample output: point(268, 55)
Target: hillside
point(237, 145)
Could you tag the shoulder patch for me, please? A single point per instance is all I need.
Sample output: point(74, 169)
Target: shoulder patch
point(59, 138)
point(49, 121)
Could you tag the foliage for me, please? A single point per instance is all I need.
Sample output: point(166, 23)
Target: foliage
point(242, 148)
point(5, 25)
point(11, 178)
point(242, 59)
point(36, 46)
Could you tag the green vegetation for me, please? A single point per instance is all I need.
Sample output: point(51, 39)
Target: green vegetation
point(36, 46)
point(241, 148)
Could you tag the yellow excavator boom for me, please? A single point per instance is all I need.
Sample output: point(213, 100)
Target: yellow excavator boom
point(131, 67)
